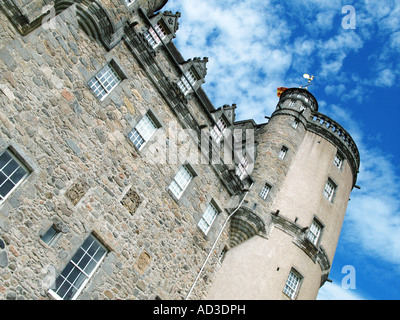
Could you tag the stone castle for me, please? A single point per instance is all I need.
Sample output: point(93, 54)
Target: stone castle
point(119, 179)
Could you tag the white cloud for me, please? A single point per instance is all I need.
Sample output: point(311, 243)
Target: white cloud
point(372, 219)
point(332, 291)
point(385, 78)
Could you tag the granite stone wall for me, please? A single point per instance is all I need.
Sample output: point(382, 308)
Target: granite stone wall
point(86, 176)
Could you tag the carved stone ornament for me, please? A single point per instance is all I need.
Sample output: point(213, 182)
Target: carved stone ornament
point(142, 262)
point(77, 191)
point(131, 201)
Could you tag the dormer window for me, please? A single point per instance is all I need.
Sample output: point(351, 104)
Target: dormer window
point(218, 130)
point(155, 34)
point(186, 82)
point(241, 169)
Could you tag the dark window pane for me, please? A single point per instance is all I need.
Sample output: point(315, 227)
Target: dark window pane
point(6, 188)
point(49, 236)
point(4, 158)
point(93, 248)
point(10, 167)
point(67, 270)
point(87, 243)
point(79, 280)
point(63, 289)
point(73, 275)
point(99, 254)
point(2, 178)
point(84, 261)
point(70, 293)
point(18, 175)
point(78, 255)
point(90, 267)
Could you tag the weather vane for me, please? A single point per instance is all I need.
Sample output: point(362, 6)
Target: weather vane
point(309, 78)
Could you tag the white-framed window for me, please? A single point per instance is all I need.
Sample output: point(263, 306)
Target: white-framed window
point(143, 131)
point(295, 124)
point(180, 181)
point(79, 270)
point(105, 81)
point(153, 37)
point(314, 232)
point(129, 2)
point(338, 161)
point(283, 152)
point(218, 130)
point(208, 218)
point(265, 191)
point(329, 190)
point(185, 83)
point(292, 284)
point(12, 173)
point(241, 168)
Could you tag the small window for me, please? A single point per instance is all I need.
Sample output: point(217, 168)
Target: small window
point(338, 161)
point(208, 218)
point(295, 124)
point(314, 232)
point(50, 236)
point(186, 82)
point(222, 254)
point(153, 35)
point(283, 152)
point(330, 190)
point(129, 2)
point(292, 103)
point(292, 285)
point(241, 169)
point(180, 182)
point(105, 81)
point(143, 131)
point(12, 173)
point(79, 270)
point(218, 130)
point(265, 191)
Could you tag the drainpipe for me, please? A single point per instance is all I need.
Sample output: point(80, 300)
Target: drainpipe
point(216, 241)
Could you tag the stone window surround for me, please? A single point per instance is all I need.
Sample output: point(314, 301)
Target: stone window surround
point(283, 152)
point(194, 175)
point(330, 193)
point(18, 153)
point(218, 210)
point(297, 274)
point(321, 226)
point(157, 121)
point(156, 34)
point(109, 249)
point(341, 158)
point(188, 80)
point(266, 184)
point(109, 58)
point(75, 266)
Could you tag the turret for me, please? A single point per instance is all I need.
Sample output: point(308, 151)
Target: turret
point(305, 168)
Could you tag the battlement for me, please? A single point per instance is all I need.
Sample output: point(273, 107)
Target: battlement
point(336, 134)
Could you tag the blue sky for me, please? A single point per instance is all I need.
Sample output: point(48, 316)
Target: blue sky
point(256, 46)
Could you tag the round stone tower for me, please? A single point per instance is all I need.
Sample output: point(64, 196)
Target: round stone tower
point(284, 237)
